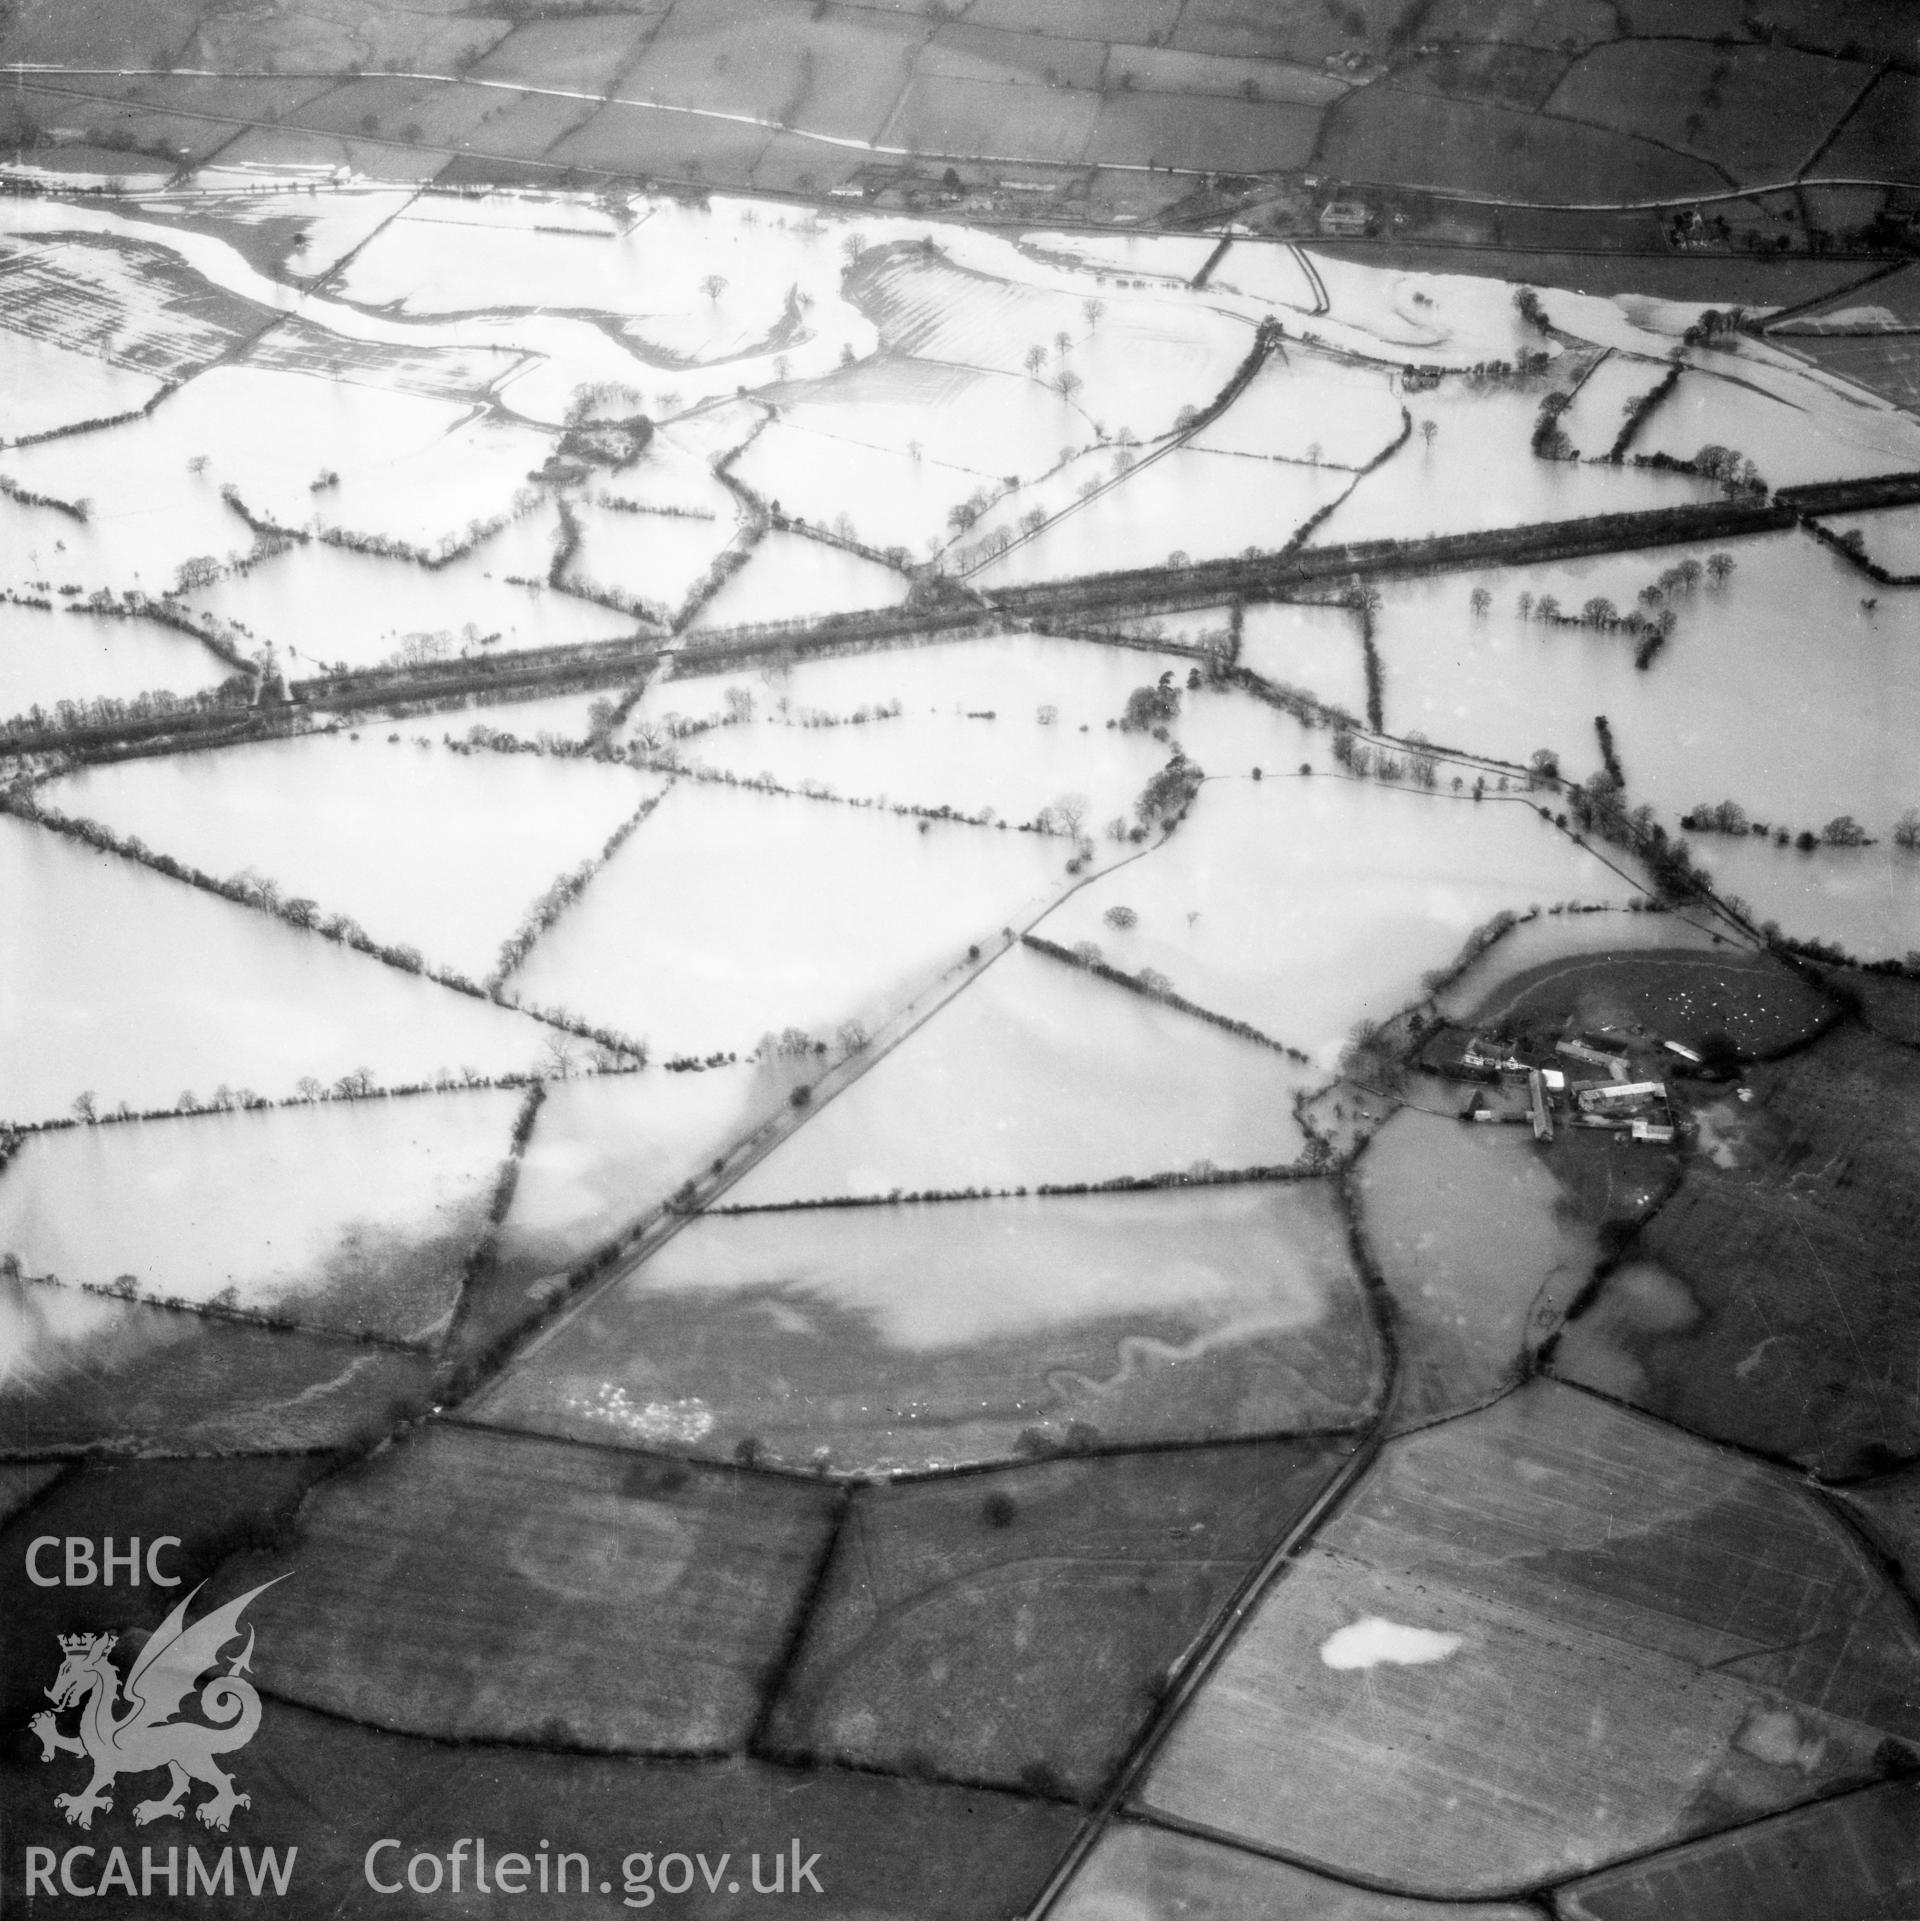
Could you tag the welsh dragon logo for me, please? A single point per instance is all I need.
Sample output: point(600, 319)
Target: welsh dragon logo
point(148, 1734)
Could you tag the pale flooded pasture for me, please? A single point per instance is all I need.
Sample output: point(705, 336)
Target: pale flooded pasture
point(469, 841)
point(304, 236)
point(1305, 904)
point(731, 915)
point(1779, 687)
point(607, 1149)
point(790, 577)
point(328, 609)
point(959, 419)
point(1316, 649)
point(1309, 407)
point(1479, 1248)
point(1613, 390)
point(1864, 900)
point(357, 1215)
point(881, 1339)
point(1001, 725)
point(209, 993)
point(1206, 506)
point(1477, 470)
point(1890, 539)
point(1773, 422)
point(413, 470)
point(651, 561)
point(1579, 1614)
point(50, 656)
point(49, 387)
point(1040, 1073)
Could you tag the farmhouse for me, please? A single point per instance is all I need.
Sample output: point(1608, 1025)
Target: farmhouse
point(1347, 217)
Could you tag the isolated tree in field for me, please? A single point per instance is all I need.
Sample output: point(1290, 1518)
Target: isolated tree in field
point(1093, 309)
point(1314, 452)
point(1719, 566)
point(1066, 815)
point(1036, 358)
point(1906, 830)
point(714, 285)
point(1121, 916)
point(1061, 342)
point(1428, 428)
point(83, 1107)
point(1069, 383)
point(1480, 600)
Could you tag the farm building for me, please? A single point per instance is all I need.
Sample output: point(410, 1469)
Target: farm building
point(1345, 217)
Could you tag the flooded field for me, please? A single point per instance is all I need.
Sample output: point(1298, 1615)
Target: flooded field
point(911, 1337)
point(358, 1215)
point(787, 913)
point(1480, 1248)
point(87, 1014)
point(48, 656)
point(1781, 688)
point(301, 814)
point(1001, 726)
point(1320, 901)
point(1044, 1074)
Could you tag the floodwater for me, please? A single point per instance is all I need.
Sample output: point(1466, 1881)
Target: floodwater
point(50, 657)
point(1303, 905)
point(469, 841)
point(785, 912)
point(1040, 1072)
point(207, 992)
point(356, 1214)
point(1779, 688)
point(897, 1336)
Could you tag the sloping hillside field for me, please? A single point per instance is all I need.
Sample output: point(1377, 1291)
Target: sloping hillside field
point(986, 1072)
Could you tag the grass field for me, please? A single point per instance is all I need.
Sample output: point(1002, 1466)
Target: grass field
point(903, 1338)
point(877, 1847)
point(542, 1552)
point(211, 1507)
point(1890, 1509)
point(1748, 109)
point(1785, 1319)
point(1145, 1873)
point(1420, 139)
point(85, 1374)
point(1852, 1855)
point(1047, 1604)
point(1682, 994)
point(1541, 1638)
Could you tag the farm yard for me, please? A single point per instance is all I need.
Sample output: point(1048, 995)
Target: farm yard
point(752, 955)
